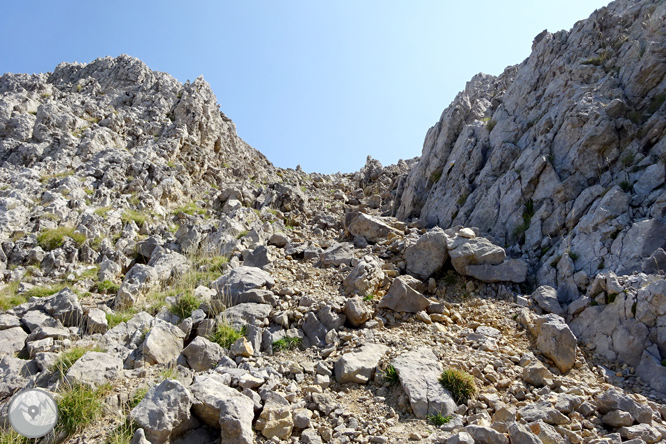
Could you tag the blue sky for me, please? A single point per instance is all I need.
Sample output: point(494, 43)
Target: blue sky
point(318, 83)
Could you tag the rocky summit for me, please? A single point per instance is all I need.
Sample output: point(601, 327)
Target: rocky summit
point(167, 284)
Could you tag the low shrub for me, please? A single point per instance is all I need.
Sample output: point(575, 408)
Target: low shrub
point(460, 383)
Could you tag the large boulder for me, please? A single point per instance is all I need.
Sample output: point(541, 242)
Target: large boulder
point(163, 343)
point(365, 278)
point(219, 406)
point(614, 399)
point(337, 254)
point(477, 251)
point(372, 228)
point(419, 371)
point(276, 419)
point(359, 366)
point(239, 280)
point(402, 297)
point(94, 369)
point(514, 270)
point(428, 254)
point(486, 435)
point(164, 412)
point(12, 340)
point(557, 342)
point(64, 306)
point(202, 354)
point(356, 311)
point(245, 313)
point(546, 298)
point(652, 372)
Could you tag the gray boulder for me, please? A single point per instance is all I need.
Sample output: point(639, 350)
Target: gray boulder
point(419, 371)
point(241, 279)
point(460, 438)
point(652, 372)
point(476, 251)
point(94, 369)
point(428, 254)
point(402, 297)
point(202, 354)
point(359, 366)
point(519, 434)
point(164, 412)
point(163, 343)
point(614, 399)
point(372, 228)
point(486, 435)
point(356, 311)
point(337, 254)
point(64, 306)
point(514, 270)
point(365, 278)
point(644, 432)
point(243, 314)
point(236, 414)
point(96, 321)
point(543, 411)
point(557, 342)
point(259, 257)
point(314, 330)
point(12, 340)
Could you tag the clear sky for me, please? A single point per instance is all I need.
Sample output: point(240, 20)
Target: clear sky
point(318, 83)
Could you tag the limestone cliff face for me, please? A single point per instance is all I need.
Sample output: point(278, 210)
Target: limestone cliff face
point(560, 158)
point(79, 115)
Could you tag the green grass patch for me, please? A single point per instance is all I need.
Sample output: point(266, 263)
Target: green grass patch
point(436, 175)
point(53, 238)
point(191, 208)
point(168, 372)
point(462, 199)
point(134, 216)
point(391, 375)
point(185, 305)
point(242, 234)
point(491, 124)
point(102, 211)
point(611, 298)
point(80, 406)
point(10, 298)
point(287, 343)
point(225, 335)
point(9, 436)
point(122, 434)
point(107, 287)
point(460, 383)
point(626, 186)
point(40, 292)
point(67, 359)
point(118, 317)
point(438, 419)
point(369, 297)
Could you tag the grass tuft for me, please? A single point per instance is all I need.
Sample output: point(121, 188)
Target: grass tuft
point(117, 317)
point(107, 287)
point(133, 216)
point(391, 375)
point(67, 359)
point(53, 238)
point(225, 335)
point(460, 383)
point(287, 343)
point(185, 305)
point(79, 406)
point(438, 419)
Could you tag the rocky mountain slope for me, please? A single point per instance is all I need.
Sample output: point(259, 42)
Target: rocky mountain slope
point(164, 275)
